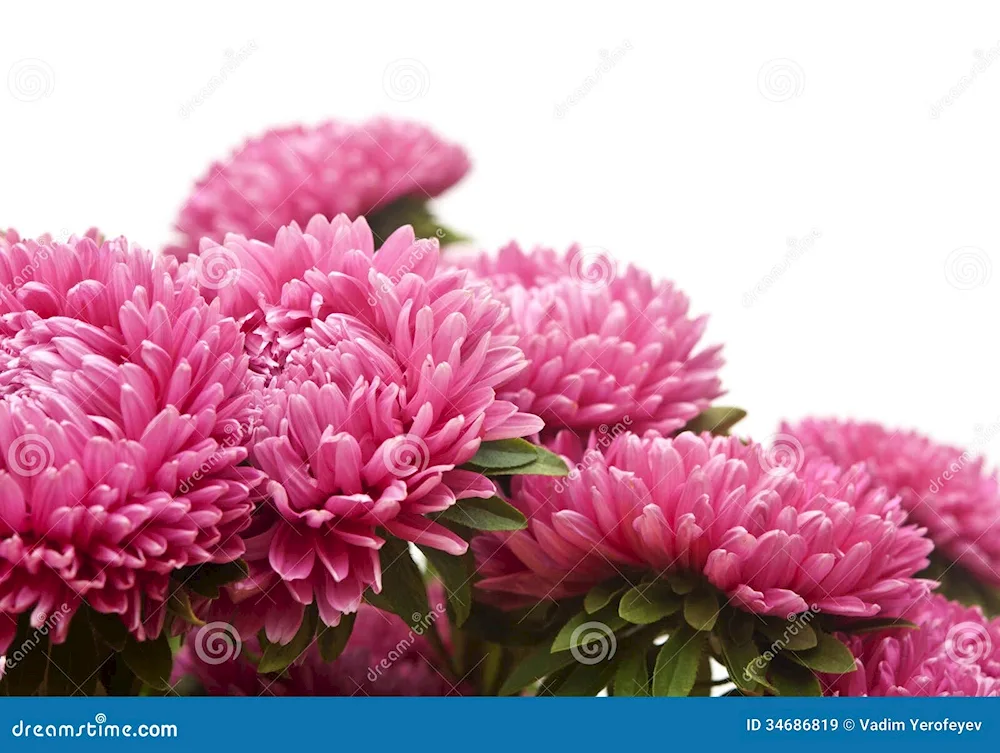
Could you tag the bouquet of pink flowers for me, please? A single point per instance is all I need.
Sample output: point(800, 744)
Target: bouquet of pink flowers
point(308, 450)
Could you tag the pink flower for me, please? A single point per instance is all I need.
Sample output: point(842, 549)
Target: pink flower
point(387, 372)
point(290, 174)
point(944, 489)
point(776, 542)
point(605, 348)
point(955, 652)
point(125, 408)
point(384, 657)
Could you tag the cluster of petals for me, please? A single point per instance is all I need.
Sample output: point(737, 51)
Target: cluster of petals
point(606, 348)
point(954, 651)
point(126, 405)
point(290, 174)
point(776, 541)
point(386, 371)
point(945, 489)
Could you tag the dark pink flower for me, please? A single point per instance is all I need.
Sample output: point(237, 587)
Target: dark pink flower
point(775, 541)
point(605, 347)
point(290, 174)
point(125, 410)
point(945, 489)
point(954, 652)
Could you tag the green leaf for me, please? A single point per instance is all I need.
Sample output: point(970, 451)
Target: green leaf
point(703, 679)
point(829, 656)
point(493, 514)
point(546, 464)
point(456, 573)
point(790, 679)
point(532, 668)
point(27, 659)
point(632, 675)
point(701, 608)
point(648, 603)
point(745, 665)
point(794, 635)
point(683, 583)
point(179, 605)
point(206, 580)
point(110, 629)
point(501, 454)
point(601, 595)
point(716, 420)
point(677, 663)
point(333, 640)
point(877, 625)
point(403, 590)
point(412, 211)
point(587, 679)
point(277, 657)
point(74, 664)
point(151, 661)
point(585, 630)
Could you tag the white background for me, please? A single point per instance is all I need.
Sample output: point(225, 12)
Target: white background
point(694, 155)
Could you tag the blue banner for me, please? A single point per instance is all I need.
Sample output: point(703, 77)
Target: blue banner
point(495, 724)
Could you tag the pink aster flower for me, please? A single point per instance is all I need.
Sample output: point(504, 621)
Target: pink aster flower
point(290, 174)
point(387, 369)
point(775, 541)
point(125, 408)
point(944, 489)
point(384, 657)
point(955, 652)
point(605, 348)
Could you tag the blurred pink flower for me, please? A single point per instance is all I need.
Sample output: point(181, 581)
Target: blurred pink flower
point(955, 652)
point(125, 410)
point(775, 541)
point(605, 348)
point(944, 489)
point(290, 174)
